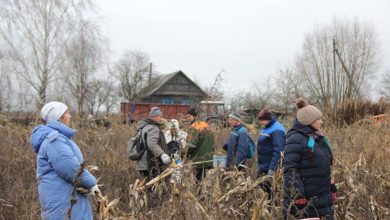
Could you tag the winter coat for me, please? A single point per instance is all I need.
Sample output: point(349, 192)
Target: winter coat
point(307, 171)
point(200, 143)
point(155, 143)
point(181, 137)
point(238, 146)
point(58, 162)
point(269, 146)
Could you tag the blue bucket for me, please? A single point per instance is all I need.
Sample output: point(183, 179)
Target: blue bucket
point(219, 161)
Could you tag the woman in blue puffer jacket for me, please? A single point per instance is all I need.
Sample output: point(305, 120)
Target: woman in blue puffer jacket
point(58, 165)
point(308, 191)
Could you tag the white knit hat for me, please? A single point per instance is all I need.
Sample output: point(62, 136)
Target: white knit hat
point(53, 111)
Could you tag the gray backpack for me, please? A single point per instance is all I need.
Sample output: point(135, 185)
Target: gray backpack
point(136, 147)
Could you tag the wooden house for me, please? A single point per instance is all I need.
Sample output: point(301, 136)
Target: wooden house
point(174, 93)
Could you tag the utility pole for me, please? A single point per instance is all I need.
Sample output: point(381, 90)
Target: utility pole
point(351, 82)
point(335, 97)
point(150, 74)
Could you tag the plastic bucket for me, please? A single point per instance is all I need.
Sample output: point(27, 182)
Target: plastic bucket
point(219, 160)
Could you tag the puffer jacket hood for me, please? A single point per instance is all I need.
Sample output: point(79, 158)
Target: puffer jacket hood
point(41, 132)
point(38, 135)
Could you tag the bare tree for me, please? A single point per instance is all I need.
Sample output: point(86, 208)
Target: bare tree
point(261, 94)
point(288, 89)
point(91, 96)
point(36, 33)
point(132, 71)
point(83, 59)
point(258, 97)
point(358, 47)
point(108, 96)
point(101, 93)
point(215, 91)
point(385, 85)
point(5, 85)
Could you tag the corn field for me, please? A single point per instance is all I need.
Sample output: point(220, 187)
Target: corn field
point(361, 171)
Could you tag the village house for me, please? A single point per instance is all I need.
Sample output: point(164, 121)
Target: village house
point(174, 93)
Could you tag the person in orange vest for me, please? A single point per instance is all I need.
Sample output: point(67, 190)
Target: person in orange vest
point(200, 144)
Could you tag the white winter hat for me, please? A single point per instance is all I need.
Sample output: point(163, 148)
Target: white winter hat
point(53, 111)
point(174, 123)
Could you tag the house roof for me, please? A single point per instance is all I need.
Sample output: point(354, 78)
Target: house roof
point(162, 80)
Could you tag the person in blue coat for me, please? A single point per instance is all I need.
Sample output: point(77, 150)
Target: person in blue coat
point(270, 143)
point(238, 143)
point(308, 191)
point(58, 166)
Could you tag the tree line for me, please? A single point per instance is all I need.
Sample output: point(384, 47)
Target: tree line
point(55, 49)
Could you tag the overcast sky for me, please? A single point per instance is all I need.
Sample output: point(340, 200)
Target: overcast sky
point(248, 39)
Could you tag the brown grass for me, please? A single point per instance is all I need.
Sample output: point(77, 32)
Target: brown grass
point(361, 170)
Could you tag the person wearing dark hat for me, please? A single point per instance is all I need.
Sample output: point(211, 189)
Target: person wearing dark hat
point(200, 144)
point(270, 143)
point(308, 191)
point(192, 115)
point(154, 159)
point(238, 142)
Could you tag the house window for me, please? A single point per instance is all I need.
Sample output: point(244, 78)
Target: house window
point(186, 102)
point(167, 101)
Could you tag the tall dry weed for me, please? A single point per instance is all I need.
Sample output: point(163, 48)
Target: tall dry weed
point(361, 171)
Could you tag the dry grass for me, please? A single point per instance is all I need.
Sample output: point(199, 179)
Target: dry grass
point(361, 169)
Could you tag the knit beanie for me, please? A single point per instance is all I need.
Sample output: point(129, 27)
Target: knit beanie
point(155, 111)
point(53, 111)
point(307, 114)
point(235, 116)
point(265, 115)
point(193, 112)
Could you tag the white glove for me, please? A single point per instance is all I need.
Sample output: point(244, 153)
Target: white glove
point(94, 191)
point(165, 159)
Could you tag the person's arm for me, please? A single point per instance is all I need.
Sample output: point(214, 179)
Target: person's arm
point(242, 148)
point(278, 138)
point(66, 164)
point(293, 185)
point(152, 137)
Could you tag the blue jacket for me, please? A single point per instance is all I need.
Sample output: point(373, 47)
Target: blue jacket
point(58, 161)
point(307, 170)
point(269, 145)
point(238, 146)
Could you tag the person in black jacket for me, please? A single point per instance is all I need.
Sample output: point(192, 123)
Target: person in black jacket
point(308, 191)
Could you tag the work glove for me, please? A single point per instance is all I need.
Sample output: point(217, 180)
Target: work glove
point(94, 191)
point(301, 201)
point(271, 173)
point(190, 146)
point(334, 191)
point(165, 159)
point(334, 197)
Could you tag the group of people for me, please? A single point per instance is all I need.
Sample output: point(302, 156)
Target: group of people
point(306, 164)
point(163, 145)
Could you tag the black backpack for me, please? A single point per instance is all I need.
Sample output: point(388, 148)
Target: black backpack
point(136, 147)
